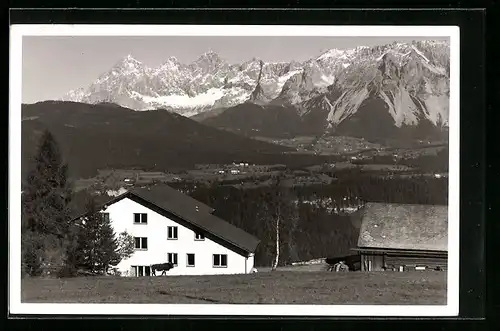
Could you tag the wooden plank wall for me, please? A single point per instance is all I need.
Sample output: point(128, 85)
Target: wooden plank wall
point(430, 262)
point(378, 262)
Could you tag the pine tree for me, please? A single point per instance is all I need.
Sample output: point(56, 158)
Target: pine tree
point(97, 246)
point(108, 249)
point(45, 210)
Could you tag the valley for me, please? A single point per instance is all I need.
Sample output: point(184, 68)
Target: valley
point(110, 148)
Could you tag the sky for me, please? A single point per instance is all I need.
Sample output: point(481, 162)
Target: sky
point(54, 65)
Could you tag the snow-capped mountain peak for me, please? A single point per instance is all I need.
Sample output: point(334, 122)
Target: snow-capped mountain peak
point(172, 63)
point(331, 53)
point(172, 60)
point(410, 79)
point(210, 57)
point(129, 60)
point(126, 66)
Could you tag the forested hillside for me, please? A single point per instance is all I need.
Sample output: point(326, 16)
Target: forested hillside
point(314, 224)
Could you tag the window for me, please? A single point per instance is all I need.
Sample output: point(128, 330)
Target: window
point(140, 218)
point(105, 217)
point(172, 233)
point(199, 236)
point(172, 258)
point(190, 260)
point(140, 270)
point(141, 243)
point(220, 260)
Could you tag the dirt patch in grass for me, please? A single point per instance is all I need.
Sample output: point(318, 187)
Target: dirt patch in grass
point(280, 287)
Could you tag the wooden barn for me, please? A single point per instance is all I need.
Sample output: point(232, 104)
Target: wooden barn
point(403, 237)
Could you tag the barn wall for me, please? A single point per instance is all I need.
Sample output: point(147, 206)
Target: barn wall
point(380, 261)
point(372, 262)
point(431, 262)
point(121, 215)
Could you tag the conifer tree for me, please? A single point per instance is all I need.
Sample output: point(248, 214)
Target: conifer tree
point(97, 247)
point(45, 209)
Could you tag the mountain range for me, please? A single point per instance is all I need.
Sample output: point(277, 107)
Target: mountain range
point(365, 91)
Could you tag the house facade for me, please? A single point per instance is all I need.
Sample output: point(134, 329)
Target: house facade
point(169, 226)
point(403, 237)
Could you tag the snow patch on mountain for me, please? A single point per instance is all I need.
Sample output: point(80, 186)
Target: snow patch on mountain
point(420, 53)
point(282, 79)
point(207, 98)
point(335, 53)
point(328, 80)
point(434, 69)
point(381, 57)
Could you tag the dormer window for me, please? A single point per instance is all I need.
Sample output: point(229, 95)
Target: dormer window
point(199, 236)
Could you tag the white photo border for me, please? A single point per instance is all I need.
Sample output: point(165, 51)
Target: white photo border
point(14, 199)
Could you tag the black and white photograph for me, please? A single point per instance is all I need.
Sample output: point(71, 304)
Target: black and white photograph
point(234, 170)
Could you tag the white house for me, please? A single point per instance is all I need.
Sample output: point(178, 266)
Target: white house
point(169, 226)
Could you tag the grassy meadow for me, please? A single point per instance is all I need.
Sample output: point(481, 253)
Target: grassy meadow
point(278, 287)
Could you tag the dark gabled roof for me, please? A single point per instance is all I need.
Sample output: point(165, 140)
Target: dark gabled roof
point(191, 211)
point(162, 196)
point(404, 226)
point(198, 214)
point(170, 199)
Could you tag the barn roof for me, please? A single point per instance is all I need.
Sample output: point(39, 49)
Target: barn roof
point(190, 210)
point(404, 226)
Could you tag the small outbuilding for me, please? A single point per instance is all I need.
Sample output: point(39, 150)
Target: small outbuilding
point(403, 237)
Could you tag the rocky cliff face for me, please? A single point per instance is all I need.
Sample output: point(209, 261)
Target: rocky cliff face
point(258, 95)
point(411, 84)
point(403, 83)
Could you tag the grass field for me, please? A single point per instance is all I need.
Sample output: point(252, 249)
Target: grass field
point(279, 287)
